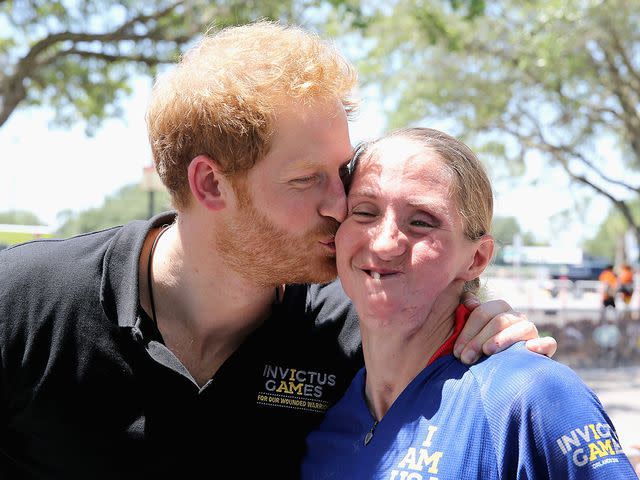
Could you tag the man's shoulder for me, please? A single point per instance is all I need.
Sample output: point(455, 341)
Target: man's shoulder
point(47, 259)
point(325, 303)
point(324, 313)
point(50, 272)
point(39, 256)
point(328, 296)
point(44, 257)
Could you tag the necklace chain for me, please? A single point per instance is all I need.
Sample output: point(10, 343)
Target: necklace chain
point(164, 228)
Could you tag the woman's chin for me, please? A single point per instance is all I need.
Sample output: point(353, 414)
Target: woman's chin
point(380, 310)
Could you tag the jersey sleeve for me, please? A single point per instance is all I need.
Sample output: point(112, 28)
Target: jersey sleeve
point(547, 424)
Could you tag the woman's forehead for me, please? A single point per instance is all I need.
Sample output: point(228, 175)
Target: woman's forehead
point(404, 158)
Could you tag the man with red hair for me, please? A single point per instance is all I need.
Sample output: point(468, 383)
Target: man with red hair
point(195, 342)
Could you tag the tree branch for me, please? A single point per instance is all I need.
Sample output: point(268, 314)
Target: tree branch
point(620, 50)
point(630, 119)
point(10, 97)
point(30, 61)
point(544, 144)
point(145, 18)
point(629, 115)
point(594, 112)
point(621, 205)
point(151, 61)
point(12, 87)
point(123, 32)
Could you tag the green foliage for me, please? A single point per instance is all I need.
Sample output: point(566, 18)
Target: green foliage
point(19, 217)
point(78, 57)
point(610, 232)
point(128, 203)
point(504, 230)
point(547, 79)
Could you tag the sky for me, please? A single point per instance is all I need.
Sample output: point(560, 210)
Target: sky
point(46, 170)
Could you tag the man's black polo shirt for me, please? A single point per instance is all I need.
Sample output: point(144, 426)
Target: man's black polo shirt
point(88, 390)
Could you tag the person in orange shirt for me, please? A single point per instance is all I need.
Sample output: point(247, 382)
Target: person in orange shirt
point(625, 283)
point(608, 285)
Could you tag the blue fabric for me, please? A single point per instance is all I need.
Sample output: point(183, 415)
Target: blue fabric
point(514, 415)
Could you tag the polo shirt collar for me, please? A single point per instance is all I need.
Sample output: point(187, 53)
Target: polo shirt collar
point(120, 281)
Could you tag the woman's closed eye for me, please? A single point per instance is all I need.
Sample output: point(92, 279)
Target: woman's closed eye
point(423, 223)
point(363, 211)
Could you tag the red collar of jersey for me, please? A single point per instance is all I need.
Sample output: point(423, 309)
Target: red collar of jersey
point(462, 313)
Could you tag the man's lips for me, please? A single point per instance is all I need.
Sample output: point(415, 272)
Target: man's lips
point(330, 243)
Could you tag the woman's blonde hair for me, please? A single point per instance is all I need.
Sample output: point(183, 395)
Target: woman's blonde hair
point(223, 98)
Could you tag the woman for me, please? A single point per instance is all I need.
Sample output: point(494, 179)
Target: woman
point(420, 209)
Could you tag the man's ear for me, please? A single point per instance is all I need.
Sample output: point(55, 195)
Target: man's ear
point(481, 258)
point(209, 186)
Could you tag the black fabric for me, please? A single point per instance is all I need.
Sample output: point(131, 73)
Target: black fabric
point(88, 390)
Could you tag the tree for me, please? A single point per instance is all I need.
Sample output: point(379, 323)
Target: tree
point(610, 235)
point(128, 203)
point(541, 79)
point(78, 57)
point(504, 229)
point(19, 217)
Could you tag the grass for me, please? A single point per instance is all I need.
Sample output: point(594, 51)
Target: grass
point(11, 238)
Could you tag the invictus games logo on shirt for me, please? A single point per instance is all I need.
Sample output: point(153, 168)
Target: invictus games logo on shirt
point(295, 388)
point(594, 444)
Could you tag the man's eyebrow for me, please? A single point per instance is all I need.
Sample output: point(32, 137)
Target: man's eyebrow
point(301, 163)
point(306, 162)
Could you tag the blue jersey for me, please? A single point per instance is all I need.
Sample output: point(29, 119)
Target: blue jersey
point(514, 415)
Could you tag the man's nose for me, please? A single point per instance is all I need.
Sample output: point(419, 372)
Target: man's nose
point(334, 203)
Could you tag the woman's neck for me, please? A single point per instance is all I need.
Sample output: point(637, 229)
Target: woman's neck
point(393, 357)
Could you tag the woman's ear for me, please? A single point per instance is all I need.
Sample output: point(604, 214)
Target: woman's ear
point(481, 258)
point(207, 182)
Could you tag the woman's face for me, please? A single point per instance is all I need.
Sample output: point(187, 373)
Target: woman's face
point(402, 243)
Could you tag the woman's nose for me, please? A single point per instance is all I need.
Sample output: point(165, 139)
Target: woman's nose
point(388, 240)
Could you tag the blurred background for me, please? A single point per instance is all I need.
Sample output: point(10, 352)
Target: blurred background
point(546, 91)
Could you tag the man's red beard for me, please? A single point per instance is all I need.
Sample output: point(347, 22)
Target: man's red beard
point(267, 255)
